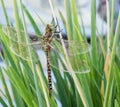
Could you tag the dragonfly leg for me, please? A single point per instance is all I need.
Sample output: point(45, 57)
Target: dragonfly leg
point(56, 26)
point(57, 32)
point(51, 38)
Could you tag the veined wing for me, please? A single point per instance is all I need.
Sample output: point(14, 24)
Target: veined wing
point(75, 47)
point(26, 49)
point(9, 31)
point(77, 52)
point(19, 35)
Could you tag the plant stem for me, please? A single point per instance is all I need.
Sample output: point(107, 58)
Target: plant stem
point(5, 13)
point(108, 26)
point(110, 76)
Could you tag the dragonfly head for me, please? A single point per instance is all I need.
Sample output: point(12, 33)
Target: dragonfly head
point(50, 28)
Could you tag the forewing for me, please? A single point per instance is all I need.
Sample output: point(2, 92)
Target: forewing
point(25, 51)
point(74, 47)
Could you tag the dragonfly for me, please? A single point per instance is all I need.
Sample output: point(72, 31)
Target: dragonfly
point(45, 41)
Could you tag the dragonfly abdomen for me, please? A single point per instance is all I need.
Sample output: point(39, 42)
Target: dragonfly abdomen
point(49, 70)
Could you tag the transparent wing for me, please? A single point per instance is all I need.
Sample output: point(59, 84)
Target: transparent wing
point(10, 32)
point(74, 47)
point(24, 51)
point(19, 35)
point(77, 52)
point(20, 47)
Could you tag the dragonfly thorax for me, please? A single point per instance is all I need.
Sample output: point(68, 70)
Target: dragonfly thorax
point(49, 33)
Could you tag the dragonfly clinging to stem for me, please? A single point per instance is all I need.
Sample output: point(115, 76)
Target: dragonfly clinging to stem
point(45, 42)
point(50, 31)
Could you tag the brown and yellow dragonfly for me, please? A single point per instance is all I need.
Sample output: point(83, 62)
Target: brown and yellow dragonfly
point(26, 51)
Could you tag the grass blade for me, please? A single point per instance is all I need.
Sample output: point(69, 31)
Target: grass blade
point(111, 63)
point(93, 33)
point(6, 89)
point(69, 22)
point(5, 13)
point(32, 21)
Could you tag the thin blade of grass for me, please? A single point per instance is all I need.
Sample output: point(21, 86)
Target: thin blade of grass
point(69, 22)
point(108, 26)
point(33, 23)
point(112, 23)
point(63, 20)
point(6, 89)
point(5, 13)
point(110, 75)
point(17, 18)
point(102, 45)
point(93, 33)
point(75, 22)
point(117, 79)
point(3, 103)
